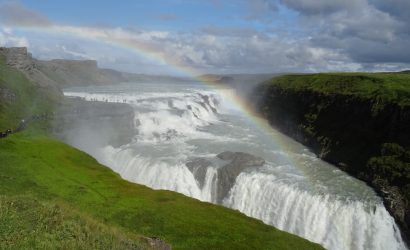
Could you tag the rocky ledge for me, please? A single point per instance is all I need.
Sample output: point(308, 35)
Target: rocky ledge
point(233, 163)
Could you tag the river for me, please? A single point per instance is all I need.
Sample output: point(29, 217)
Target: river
point(294, 190)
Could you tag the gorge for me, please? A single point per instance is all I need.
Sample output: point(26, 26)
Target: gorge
point(184, 140)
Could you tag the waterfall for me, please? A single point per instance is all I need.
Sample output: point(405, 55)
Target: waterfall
point(306, 197)
point(336, 224)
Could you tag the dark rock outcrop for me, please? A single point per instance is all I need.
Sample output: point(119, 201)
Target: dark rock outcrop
point(237, 163)
point(350, 132)
point(393, 198)
point(233, 164)
point(199, 167)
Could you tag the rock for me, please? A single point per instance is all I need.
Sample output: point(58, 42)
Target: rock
point(19, 58)
point(206, 103)
point(158, 244)
point(238, 161)
point(394, 202)
point(235, 163)
point(226, 156)
point(7, 96)
point(199, 167)
point(240, 158)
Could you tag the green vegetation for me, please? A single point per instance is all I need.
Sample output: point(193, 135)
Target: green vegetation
point(393, 165)
point(53, 196)
point(20, 98)
point(385, 87)
point(29, 224)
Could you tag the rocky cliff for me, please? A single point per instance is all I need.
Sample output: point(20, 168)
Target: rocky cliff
point(59, 72)
point(20, 59)
point(359, 123)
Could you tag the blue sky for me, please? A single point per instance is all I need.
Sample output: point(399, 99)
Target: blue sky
point(148, 14)
point(174, 15)
point(215, 36)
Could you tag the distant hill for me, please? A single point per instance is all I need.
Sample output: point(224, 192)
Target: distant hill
point(233, 79)
point(65, 73)
point(242, 83)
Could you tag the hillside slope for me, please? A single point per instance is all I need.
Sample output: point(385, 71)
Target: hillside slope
point(27, 223)
point(53, 196)
point(359, 122)
point(52, 171)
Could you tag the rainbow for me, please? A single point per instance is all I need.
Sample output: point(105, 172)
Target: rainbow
point(129, 41)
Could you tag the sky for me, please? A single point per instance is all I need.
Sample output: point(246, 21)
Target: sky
point(214, 36)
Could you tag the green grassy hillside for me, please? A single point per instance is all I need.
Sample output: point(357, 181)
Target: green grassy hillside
point(27, 223)
point(389, 87)
point(48, 170)
point(53, 196)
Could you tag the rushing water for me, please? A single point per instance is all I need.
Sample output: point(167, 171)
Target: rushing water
point(294, 191)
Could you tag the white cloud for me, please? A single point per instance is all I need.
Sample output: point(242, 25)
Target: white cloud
point(8, 39)
point(333, 36)
point(197, 50)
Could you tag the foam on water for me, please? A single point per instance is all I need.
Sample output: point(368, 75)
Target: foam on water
point(334, 223)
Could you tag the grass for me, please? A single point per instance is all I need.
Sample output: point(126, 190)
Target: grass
point(388, 87)
point(48, 170)
point(27, 223)
point(53, 196)
point(24, 98)
point(393, 164)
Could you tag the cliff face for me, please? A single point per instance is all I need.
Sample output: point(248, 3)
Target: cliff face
point(17, 57)
point(76, 72)
point(368, 138)
point(20, 59)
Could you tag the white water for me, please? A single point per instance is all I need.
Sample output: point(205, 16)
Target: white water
point(294, 190)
